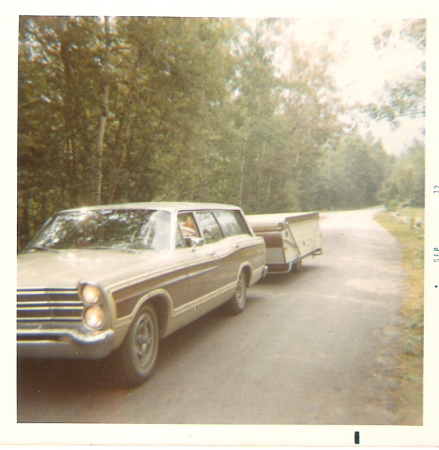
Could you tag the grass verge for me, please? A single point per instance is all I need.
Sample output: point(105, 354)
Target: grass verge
point(411, 346)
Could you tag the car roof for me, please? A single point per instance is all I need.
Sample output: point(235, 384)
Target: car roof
point(167, 206)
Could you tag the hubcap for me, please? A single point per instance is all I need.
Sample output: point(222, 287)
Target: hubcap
point(144, 340)
point(240, 290)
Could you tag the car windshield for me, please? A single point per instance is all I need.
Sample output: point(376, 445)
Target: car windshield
point(124, 229)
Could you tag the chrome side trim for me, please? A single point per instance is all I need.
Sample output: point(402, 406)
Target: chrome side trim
point(201, 300)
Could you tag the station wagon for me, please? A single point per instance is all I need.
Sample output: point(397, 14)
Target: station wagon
point(116, 279)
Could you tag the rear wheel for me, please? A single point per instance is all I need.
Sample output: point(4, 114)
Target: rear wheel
point(238, 301)
point(138, 352)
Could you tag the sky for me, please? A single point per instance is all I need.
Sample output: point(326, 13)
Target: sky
point(360, 70)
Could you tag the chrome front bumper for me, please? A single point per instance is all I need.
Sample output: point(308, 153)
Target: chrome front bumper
point(62, 343)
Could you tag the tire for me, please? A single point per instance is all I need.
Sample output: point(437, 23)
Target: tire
point(238, 301)
point(297, 267)
point(138, 352)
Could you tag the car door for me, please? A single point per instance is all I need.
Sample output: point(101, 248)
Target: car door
point(222, 249)
point(237, 237)
point(196, 278)
point(212, 252)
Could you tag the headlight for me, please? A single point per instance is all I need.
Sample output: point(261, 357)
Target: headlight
point(95, 312)
point(90, 294)
point(94, 317)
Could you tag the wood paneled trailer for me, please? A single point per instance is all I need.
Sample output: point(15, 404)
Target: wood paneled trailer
point(289, 238)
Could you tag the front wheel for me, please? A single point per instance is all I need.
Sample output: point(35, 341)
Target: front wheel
point(237, 302)
point(138, 352)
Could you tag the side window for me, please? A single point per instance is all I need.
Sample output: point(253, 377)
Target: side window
point(180, 243)
point(209, 227)
point(231, 223)
point(187, 229)
point(158, 231)
point(188, 225)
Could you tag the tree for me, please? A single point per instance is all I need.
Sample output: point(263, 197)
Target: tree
point(405, 98)
point(107, 107)
point(406, 181)
point(358, 170)
point(168, 107)
point(128, 109)
point(257, 128)
point(311, 107)
point(59, 75)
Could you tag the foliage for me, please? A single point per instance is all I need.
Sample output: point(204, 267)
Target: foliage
point(127, 109)
point(410, 346)
point(354, 172)
point(165, 96)
point(405, 97)
point(405, 184)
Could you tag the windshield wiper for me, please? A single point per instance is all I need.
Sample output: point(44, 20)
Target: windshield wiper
point(121, 249)
point(39, 248)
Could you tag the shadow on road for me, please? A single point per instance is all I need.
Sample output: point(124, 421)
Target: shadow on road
point(282, 279)
point(77, 383)
point(41, 378)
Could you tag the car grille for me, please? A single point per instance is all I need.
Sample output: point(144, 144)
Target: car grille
point(49, 306)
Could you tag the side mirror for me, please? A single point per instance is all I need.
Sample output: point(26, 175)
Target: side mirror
point(195, 242)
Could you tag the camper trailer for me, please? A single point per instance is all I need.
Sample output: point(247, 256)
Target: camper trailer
point(289, 238)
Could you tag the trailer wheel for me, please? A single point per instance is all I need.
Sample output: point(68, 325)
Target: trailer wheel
point(238, 301)
point(297, 267)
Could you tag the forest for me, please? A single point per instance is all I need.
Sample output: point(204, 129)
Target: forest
point(135, 109)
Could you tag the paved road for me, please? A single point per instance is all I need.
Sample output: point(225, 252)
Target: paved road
point(311, 348)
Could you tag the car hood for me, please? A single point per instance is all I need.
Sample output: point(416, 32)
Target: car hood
point(66, 268)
